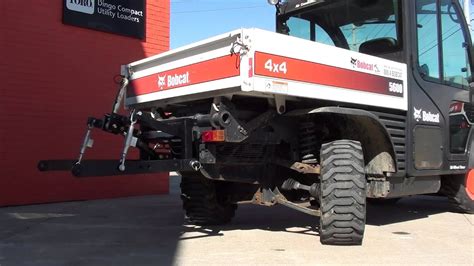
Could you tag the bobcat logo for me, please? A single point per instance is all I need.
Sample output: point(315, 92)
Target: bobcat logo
point(353, 62)
point(417, 114)
point(161, 81)
point(376, 68)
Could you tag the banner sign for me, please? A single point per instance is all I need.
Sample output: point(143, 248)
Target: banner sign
point(125, 17)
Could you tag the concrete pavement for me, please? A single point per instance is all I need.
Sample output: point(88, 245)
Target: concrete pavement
point(150, 231)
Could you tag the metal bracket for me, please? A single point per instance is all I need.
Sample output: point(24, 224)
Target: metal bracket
point(88, 142)
point(130, 141)
point(207, 154)
point(280, 103)
point(147, 120)
point(378, 188)
point(306, 168)
point(120, 95)
point(263, 197)
point(299, 167)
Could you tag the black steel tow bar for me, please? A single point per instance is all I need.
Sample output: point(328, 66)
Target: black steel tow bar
point(93, 168)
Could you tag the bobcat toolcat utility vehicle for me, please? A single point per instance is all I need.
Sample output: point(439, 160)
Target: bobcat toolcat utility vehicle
point(348, 100)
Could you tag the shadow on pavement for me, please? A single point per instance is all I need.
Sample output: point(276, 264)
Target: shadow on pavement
point(132, 231)
point(407, 209)
point(250, 217)
point(282, 219)
point(148, 230)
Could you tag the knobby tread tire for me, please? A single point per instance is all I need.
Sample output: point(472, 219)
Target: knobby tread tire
point(343, 193)
point(455, 188)
point(201, 201)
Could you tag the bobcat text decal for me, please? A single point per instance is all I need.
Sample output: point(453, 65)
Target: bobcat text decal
point(170, 81)
point(423, 116)
point(356, 63)
point(201, 72)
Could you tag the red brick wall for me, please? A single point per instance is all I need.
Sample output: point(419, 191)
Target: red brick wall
point(52, 77)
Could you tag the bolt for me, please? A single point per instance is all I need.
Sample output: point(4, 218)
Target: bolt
point(121, 167)
point(242, 130)
point(195, 165)
point(281, 109)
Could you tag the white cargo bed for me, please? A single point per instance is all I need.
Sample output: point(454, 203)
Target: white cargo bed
point(261, 63)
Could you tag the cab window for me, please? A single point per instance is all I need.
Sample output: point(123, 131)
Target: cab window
point(303, 29)
point(376, 29)
point(442, 43)
point(428, 50)
point(300, 28)
point(456, 68)
point(370, 27)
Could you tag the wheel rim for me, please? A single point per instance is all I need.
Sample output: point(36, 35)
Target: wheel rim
point(470, 184)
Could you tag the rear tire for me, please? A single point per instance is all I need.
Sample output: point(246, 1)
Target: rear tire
point(455, 187)
point(202, 202)
point(343, 193)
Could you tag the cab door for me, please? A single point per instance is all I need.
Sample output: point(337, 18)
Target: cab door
point(439, 88)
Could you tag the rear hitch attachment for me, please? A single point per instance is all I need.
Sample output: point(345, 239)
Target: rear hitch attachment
point(130, 140)
point(117, 124)
point(126, 126)
point(121, 93)
point(88, 142)
point(96, 168)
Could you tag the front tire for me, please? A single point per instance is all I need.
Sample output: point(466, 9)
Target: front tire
point(343, 193)
point(203, 203)
point(460, 191)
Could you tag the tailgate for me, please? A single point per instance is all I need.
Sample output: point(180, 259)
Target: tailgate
point(188, 73)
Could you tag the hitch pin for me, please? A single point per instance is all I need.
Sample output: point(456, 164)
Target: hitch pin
point(87, 143)
point(130, 141)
